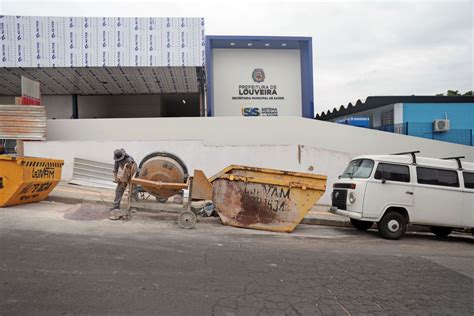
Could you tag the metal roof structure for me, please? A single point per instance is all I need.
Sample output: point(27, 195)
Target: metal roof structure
point(103, 80)
point(373, 102)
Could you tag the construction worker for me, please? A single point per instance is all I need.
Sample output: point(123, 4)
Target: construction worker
point(128, 165)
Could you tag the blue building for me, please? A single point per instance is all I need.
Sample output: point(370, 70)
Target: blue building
point(444, 118)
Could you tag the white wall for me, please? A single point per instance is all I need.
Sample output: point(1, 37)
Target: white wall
point(398, 113)
point(213, 143)
point(233, 68)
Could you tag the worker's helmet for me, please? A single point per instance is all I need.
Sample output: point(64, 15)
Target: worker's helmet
point(119, 154)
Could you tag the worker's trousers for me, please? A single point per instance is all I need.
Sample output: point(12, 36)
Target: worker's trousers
point(128, 171)
point(120, 190)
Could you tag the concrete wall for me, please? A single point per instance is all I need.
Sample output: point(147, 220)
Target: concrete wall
point(210, 144)
point(119, 106)
point(58, 106)
point(99, 106)
point(7, 99)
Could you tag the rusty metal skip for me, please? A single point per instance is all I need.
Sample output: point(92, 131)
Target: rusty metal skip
point(265, 199)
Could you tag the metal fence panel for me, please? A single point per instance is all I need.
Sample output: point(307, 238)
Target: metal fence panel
point(92, 173)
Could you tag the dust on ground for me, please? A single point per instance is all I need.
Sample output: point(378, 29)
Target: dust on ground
point(88, 212)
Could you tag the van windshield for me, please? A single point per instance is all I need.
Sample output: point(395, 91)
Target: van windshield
point(359, 168)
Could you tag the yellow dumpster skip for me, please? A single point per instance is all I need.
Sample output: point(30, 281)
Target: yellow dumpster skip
point(27, 179)
point(265, 199)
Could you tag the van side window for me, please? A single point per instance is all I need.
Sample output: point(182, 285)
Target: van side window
point(432, 176)
point(392, 172)
point(468, 180)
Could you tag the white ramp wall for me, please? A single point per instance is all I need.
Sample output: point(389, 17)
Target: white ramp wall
point(210, 144)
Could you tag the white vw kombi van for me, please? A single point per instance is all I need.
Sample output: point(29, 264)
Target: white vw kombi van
point(394, 190)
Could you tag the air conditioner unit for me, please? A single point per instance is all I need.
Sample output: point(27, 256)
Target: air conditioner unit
point(441, 125)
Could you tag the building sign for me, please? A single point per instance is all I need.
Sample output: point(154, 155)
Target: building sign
point(256, 82)
point(258, 92)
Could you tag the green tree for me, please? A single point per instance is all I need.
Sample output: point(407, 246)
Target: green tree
point(452, 93)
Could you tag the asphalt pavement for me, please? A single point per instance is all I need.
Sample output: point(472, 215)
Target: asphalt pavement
point(54, 260)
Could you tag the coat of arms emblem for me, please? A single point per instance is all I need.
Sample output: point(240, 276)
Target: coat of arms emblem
point(258, 75)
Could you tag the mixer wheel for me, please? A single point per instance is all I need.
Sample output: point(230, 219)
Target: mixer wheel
point(187, 219)
point(160, 199)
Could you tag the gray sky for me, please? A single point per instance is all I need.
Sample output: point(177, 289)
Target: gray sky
point(360, 48)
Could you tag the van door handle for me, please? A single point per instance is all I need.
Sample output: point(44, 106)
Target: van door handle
point(409, 192)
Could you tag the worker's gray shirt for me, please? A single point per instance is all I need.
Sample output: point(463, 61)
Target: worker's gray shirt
point(122, 163)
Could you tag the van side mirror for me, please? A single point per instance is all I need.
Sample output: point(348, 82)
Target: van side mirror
point(383, 180)
point(339, 176)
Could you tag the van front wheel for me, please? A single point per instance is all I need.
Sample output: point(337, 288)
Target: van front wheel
point(441, 231)
point(361, 225)
point(392, 225)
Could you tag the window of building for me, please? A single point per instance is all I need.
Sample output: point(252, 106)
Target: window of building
point(391, 172)
point(432, 176)
point(388, 118)
point(468, 180)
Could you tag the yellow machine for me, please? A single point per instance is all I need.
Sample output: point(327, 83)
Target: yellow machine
point(27, 179)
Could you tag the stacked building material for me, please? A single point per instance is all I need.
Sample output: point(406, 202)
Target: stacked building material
point(23, 122)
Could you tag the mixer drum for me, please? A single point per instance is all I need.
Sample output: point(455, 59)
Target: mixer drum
point(162, 167)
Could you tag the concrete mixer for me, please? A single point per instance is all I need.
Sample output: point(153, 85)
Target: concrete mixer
point(162, 167)
point(163, 175)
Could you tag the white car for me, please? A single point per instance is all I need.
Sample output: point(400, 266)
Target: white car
point(394, 190)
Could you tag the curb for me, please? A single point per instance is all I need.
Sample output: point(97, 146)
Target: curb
point(325, 222)
point(149, 207)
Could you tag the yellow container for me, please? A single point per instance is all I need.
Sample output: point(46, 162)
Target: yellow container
point(265, 199)
point(27, 179)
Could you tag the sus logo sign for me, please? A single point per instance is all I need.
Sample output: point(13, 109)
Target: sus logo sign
point(250, 111)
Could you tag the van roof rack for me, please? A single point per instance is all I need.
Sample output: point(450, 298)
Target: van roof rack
point(458, 160)
point(412, 153)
